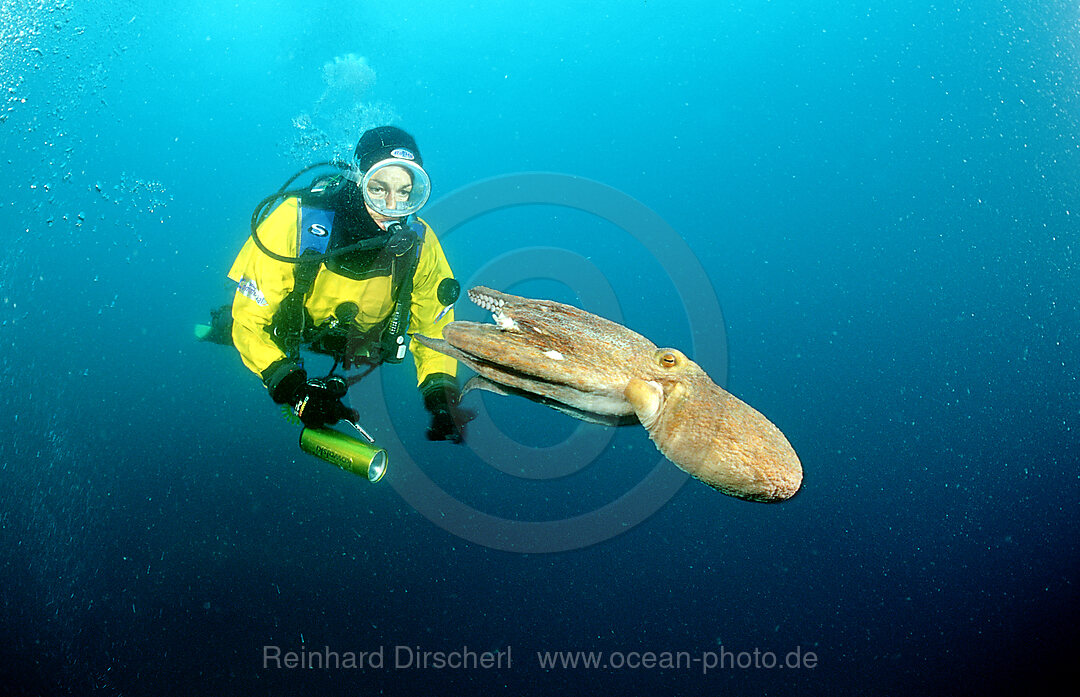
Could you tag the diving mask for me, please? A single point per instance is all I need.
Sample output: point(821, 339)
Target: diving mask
point(396, 188)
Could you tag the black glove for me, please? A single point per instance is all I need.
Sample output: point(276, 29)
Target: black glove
point(317, 401)
point(441, 398)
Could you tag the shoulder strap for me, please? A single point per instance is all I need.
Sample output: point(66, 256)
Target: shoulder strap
point(313, 229)
point(313, 237)
point(397, 324)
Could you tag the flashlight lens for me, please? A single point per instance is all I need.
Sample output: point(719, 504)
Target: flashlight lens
point(377, 468)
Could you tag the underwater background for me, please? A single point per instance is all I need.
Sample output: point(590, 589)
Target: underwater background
point(883, 199)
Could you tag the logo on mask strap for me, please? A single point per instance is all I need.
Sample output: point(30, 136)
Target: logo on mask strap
point(402, 154)
point(318, 230)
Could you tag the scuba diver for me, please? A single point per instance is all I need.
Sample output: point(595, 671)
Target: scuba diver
point(345, 268)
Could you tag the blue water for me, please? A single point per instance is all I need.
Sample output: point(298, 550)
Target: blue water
point(883, 198)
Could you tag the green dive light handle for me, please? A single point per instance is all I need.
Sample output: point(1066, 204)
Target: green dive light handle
point(344, 451)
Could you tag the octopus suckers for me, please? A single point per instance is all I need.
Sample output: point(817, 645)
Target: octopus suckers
point(505, 322)
point(486, 301)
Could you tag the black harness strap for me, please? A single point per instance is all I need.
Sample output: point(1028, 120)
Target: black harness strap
point(397, 324)
point(291, 321)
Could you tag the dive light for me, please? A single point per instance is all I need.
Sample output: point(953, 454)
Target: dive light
point(350, 454)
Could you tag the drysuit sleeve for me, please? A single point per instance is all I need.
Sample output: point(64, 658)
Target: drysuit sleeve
point(431, 269)
point(262, 283)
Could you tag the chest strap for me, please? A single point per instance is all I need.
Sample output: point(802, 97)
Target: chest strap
point(314, 237)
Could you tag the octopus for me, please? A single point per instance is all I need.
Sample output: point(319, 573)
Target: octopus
point(598, 370)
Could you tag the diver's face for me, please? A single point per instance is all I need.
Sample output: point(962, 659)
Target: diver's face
point(391, 184)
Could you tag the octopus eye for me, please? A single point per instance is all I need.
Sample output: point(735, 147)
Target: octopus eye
point(668, 360)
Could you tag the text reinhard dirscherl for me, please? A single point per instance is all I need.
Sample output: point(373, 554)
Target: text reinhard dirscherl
point(403, 657)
